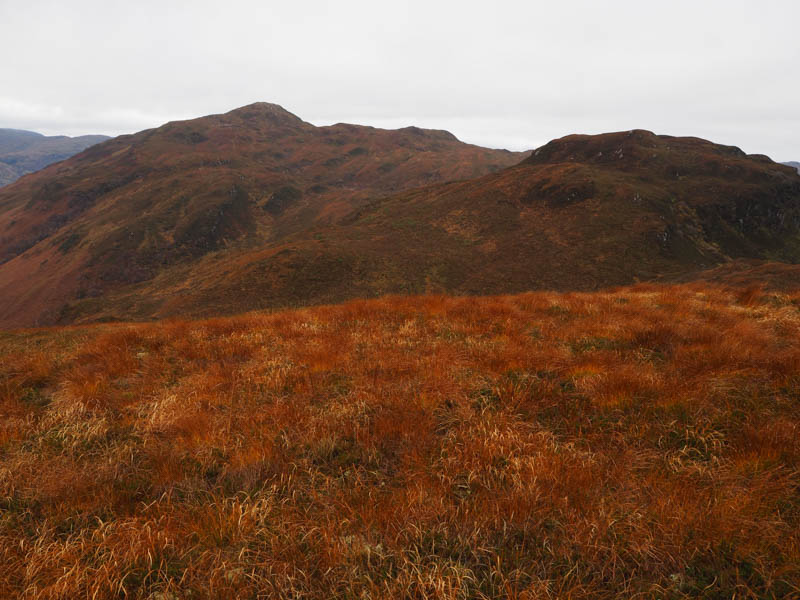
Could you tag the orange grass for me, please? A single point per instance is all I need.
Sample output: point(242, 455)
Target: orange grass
point(636, 443)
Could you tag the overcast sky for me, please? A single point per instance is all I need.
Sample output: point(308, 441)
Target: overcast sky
point(511, 74)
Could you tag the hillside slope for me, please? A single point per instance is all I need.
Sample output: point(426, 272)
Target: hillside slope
point(583, 212)
point(792, 163)
point(144, 205)
point(23, 152)
point(636, 444)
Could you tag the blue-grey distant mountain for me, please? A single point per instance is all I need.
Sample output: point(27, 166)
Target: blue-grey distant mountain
point(24, 152)
point(794, 164)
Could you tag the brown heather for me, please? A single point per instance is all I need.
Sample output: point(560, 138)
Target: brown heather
point(257, 210)
point(636, 443)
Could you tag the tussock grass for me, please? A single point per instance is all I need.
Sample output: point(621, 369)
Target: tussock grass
point(635, 443)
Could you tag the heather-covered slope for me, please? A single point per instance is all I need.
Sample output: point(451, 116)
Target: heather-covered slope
point(583, 212)
point(258, 209)
point(636, 444)
point(143, 205)
point(23, 152)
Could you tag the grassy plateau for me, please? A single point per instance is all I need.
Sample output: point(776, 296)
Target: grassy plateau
point(641, 442)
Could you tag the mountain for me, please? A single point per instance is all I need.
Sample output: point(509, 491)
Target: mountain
point(161, 202)
point(23, 152)
point(583, 212)
point(792, 163)
point(257, 209)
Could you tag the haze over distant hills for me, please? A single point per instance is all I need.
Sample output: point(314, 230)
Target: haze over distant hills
point(793, 163)
point(23, 152)
point(257, 208)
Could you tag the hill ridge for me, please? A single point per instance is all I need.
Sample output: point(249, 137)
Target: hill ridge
point(793, 164)
point(197, 218)
point(23, 152)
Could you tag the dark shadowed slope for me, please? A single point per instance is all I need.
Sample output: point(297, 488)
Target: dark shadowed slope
point(157, 203)
point(23, 152)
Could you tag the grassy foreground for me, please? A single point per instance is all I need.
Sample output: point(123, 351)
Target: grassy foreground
point(643, 442)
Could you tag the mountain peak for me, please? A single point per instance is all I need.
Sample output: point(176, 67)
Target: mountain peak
point(265, 110)
point(634, 147)
point(441, 134)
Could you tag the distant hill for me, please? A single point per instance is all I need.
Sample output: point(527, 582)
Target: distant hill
point(170, 199)
point(792, 163)
point(23, 152)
